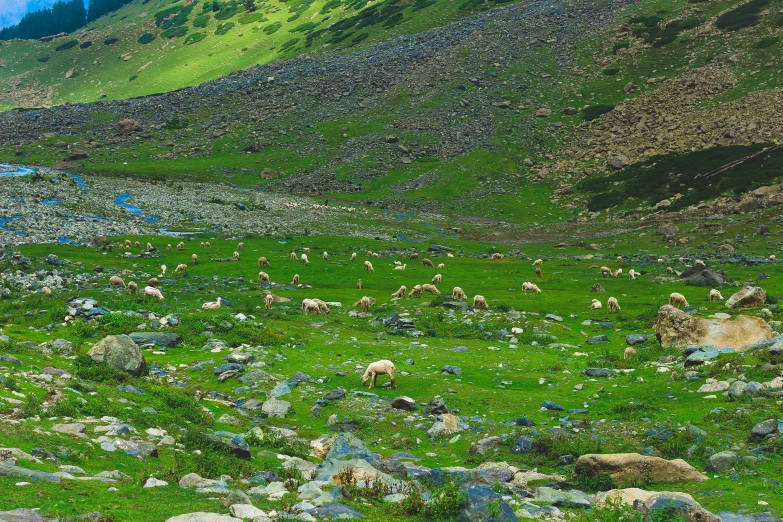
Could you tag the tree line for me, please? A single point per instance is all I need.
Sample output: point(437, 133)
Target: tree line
point(65, 16)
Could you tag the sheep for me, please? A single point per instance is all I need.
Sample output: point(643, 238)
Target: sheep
point(660, 261)
point(427, 263)
point(48, 291)
point(538, 271)
point(377, 368)
point(360, 284)
point(401, 267)
point(368, 267)
point(353, 258)
point(364, 302)
point(441, 265)
point(163, 270)
point(414, 256)
point(397, 263)
point(430, 288)
point(236, 256)
point(322, 306)
point(497, 256)
point(263, 262)
point(715, 294)
point(326, 255)
point(151, 291)
point(168, 247)
point(194, 259)
point(293, 256)
point(619, 259)
point(612, 304)
point(212, 305)
point(153, 282)
point(676, 299)
point(268, 300)
point(149, 246)
point(530, 286)
point(203, 245)
point(436, 279)
point(132, 286)
point(629, 353)
point(669, 270)
point(308, 305)
point(306, 250)
point(375, 254)
point(182, 267)
point(415, 292)
point(294, 280)
point(479, 303)
point(263, 276)
point(181, 246)
point(137, 244)
point(208, 245)
point(699, 263)
point(596, 305)
point(538, 262)
point(449, 254)
point(304, 259)
point(458, 293)
point(618, 273)
point(241, 246)
point(128, 243)
point(605, 271)
point(116, 281)
point(632, 274)
point(400, 293)
point(772, 258)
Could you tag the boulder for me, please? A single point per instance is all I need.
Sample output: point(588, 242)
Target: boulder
point(403, 403)
point(275, 408)
point(9, 470)
point(676, 328)
point(447, 424)
point(619, 162)
point(722, 461)
point(748, 296)
point(128, 126)
point(349, 446)
point(120, 352)
point(764, 428)
point(704, 276)
point(671, 504)
point(166, 339)
point(76, 154)
point(632, 467)
point(437, 406)
point(544, 112)
point(668, 230)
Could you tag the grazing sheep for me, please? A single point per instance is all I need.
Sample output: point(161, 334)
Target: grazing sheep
point(360, 284)
point(294, 281)
point(132, 286)
point(308, 305)
point(262, 262)
point(306, 250)
point(368, 267)
point(326, 256)
point(48, 291)
point(497, 256)
point(397, 263)
point(458, 293)
point(116, 281)
point(612, 304)
point(660, 260)
point(715, 294)
point(168, 247)
point(209, 245)
point(596, 305)
point(268, 300)
point(401, 267)
point(676, 299)
point(449, 254)
point(619, 259)
point(606, 271)
point(181, 246)
point(629, 353)
point(236, 255)
point(241, 246)
point(530, 286)
point(137, 244)
point(375, 254)
point(163, 270)
point(293, 256)
point(436, 279)
point(669, 270)
point(322, 306)
point(203, 245)
point(699, 263)
point(772, 258)
point(194, 259)
point(364, 302)
point(400, 293)
point(415, 292)
point(377, 368)
point(441, 265)
point(127, 242)
point(413, 257)
point(153, 282)
point(149, 246)
point(538, 271)
point(430, 288)
point(427, 263)
point(212, 305)
point(538, 262)
point(304, 259)
point(632, 274)
point(479, 303)
point(618, 273)
point(182, 267)
point(151, 291)
point(263, 276)
point(353, 257)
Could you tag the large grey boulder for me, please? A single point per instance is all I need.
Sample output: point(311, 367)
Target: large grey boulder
point(676, 328)
point(632, 467)
point(748, 296)
point(275, 408)
point(120, 352)
point(9, 470)
point(722, 461)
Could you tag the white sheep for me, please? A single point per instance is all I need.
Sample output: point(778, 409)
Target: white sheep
point(629, 353)
point(293, 256)
point(377, 368)
point(368, 267)
point(497, 256)
point(618, 273)
point(263, 276)
point(168, 247)
point(415, 292)
point(263, 262)
point(116, 281)
point(699, 263)
point(430, 288)
point(612, 304)
point(304, 259)
point(596, 305)
point(427, 263)
point(194, 259)
point(163, 270)
point(149, 246)
point(268, 300)
point(128, 243)
point(151, 291)
point(326, 256)
point(538, 262)
point(208, 245)
point(241, 246)
point(236, 256)
point(441, 265)
point(360, 284)
point(715, 294)
point(479, 303)
point(203, 245)
point(132, 286)
point(538, 271)
point(660, 261)
point(458, 293)
point(677, 299)
point(436, 279)
point(353, 257)
point(212, 305)
point(400, 293)
point(322, 306)
point(306, 250)
point(308, 305)
point(449, 255)
point(772, 258)
point(46, 290)
point(153, 282)
point(619, 259)
point(632, 274)
point(137, 244)
point(182, 267)
point(400, 267)
point(414, 256)
point(294, 280)
point(606, 271)
point(530, 286)
point(365, 302)
point(181, 245)
point(669, 270)
point(397, 263)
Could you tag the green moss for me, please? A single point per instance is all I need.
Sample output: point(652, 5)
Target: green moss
point(146, 38)
point(201, 20)
point(224, 28)
point(594, 111)
point(611, 71)
point(746, 15)
point(67, 45)
point(110, 41)
point(175, 32)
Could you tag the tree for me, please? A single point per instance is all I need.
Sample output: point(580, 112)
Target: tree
point(250, 5)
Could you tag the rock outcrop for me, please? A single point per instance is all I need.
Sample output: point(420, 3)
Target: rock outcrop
point(631, 467)
point(676, 328)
